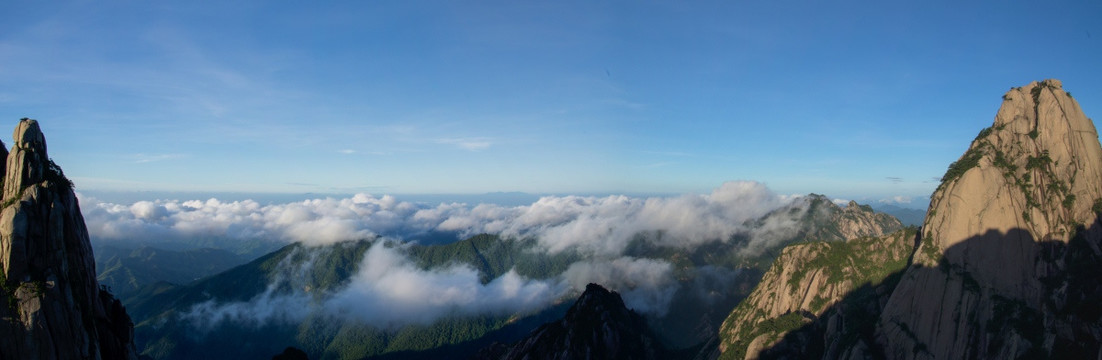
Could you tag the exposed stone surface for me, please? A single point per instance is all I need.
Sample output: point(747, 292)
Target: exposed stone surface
point(816, 218)
point(598, 326)
point(1006, 242)
point(806, 284)
point(53, 308)
point(1006, 266)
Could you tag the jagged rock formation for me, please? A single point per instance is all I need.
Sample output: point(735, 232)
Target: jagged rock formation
point(598, 326)
point(807, 284)
point(1007, 262)
point(53, 308)
point(815, 218)
point(1010, 234)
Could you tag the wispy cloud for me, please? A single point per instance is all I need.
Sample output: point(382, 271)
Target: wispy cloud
point(894, 180)
point(897, 200)
point(148, 158)
point(347, 151)
point(468, 143)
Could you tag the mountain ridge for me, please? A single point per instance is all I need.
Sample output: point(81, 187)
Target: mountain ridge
point(1005, 265)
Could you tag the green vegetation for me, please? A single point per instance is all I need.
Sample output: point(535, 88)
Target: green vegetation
point(864, 263)
point(817, 303)
point(1097, 206)
point(849, 260)
point(493, 256)
point(1037, 162)
point(984, 133)
point(774, 328)
point(1069, 201)
point(970, 159)
point(322, 270)
point(929, 249)
point(1033, 134)
point(57, 177)
point(1002, 162)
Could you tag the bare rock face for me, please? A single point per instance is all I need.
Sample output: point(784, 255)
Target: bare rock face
point(1007, 264)
point(805, 288)
point(1010, 246)
point(53, 308)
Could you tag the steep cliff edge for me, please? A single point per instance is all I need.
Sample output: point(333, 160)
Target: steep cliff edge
point(1006, 265)
point(805, 288)
point(1010, 246)
point(53, 308)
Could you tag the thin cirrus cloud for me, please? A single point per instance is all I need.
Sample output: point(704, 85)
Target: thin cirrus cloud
point(470, 144)
point(149, 158)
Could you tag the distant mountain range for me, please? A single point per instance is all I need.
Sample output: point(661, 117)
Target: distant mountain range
point(708, 281)
point(124, 271)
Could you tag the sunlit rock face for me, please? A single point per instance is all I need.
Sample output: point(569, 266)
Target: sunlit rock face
point(1005, 266)
point(53, 308)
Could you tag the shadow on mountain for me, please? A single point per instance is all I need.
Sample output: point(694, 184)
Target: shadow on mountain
point(990, 266)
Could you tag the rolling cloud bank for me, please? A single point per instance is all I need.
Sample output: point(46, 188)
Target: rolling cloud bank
point(390, 290)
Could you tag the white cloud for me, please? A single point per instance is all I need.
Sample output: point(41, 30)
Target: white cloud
point(598, 225)
point(897, 200)
point(647, 285)
point(148, 158)
point(471, 144)
point(390, 290)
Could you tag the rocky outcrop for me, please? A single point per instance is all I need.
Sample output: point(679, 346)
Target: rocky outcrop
point(598, 326)
point(53, 308)
point(807, 284)
point(1010, 245)
point(814, 218)
point(1006, 265)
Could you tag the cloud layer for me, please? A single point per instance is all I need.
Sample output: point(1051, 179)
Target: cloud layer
point(390, 290)
point(600, 225)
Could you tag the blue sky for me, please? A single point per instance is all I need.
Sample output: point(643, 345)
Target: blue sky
point(853, 99)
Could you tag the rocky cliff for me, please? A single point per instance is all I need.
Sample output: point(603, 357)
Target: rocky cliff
point(1006, 264)
point(1010, 252)
point(53, 308)
point(806, 285)
point(813, 218)
point(598, 326)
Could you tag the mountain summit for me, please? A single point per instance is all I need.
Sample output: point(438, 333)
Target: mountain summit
point(54, 308)
point(1005, 265)
point(598, 326)
point(1014, 234)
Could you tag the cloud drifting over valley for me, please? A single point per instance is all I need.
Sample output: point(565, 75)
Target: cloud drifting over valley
point(390, 290)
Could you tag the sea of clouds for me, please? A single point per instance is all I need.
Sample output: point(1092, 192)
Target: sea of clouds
point(390, 290)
